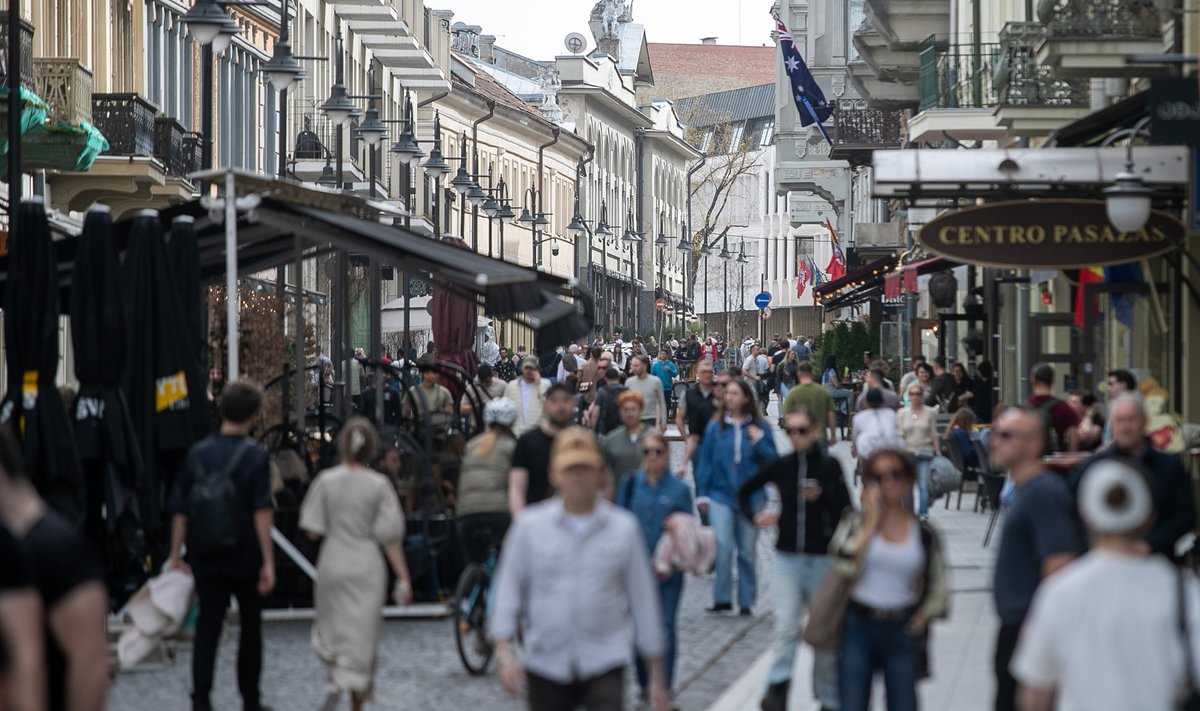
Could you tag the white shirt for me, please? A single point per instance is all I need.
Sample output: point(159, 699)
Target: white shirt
point(875, 428)
point(890, 572)
point(489, 353)
point(1104, 633)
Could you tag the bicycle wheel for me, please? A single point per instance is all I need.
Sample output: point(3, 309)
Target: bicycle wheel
point(470, 619)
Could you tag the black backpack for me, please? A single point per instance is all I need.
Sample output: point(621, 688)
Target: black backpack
point(213, 503)
point(1051, 439)
point(610, 414)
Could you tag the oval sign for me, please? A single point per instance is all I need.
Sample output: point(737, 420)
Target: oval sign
point(1046, 234)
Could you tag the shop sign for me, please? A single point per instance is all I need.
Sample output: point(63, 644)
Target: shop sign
point(1046, 234)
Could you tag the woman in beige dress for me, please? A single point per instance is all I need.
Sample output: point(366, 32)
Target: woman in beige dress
point(355, 509)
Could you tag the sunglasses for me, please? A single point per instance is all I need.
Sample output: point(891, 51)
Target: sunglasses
point(652, 450)
point(796, 430)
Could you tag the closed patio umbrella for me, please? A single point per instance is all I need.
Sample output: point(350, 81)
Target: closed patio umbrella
point(111, 460)
point(185, 271)
point(455, 320)
point(33, 404)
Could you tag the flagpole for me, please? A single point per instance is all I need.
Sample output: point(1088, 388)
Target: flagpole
point(812, 112)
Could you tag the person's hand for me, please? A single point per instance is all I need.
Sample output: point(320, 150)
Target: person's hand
point(811, 493)
point(660, 426)
point(681, 472)
point(266, 579)
point(702, 507)
point(917, 624)
point(402, 593)
point(660, 700)
point(177, 563)
point(754, 431)
point(872, 505)
point(765, 519)
point(966, 395)
point(512, 676)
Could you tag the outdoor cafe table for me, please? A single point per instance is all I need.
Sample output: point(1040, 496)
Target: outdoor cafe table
point(1065, 462)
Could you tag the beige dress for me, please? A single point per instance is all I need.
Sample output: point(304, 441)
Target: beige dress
point(356, 511)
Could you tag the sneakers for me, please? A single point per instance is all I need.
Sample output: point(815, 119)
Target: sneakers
point(746, 612)
point(776, 697)
point(720, 607)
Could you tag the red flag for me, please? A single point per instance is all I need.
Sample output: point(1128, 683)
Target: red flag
point(837, 262)
point(1084, 311)
point(803, 276)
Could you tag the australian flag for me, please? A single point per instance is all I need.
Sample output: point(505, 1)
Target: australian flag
point(810, 100)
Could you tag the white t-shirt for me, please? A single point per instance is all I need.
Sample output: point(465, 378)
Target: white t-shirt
point(875, 428)
point(890, 572)
point(1104, 632)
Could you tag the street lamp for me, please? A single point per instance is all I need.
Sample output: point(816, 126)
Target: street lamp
point(1128, 201)
point(630, 235)
point(435, 165)
point(338, 107)
point(282, 69)
point(372, 129)
point(205, 20)
point(662, 241)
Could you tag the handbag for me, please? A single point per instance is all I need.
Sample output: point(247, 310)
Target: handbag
point(1191, 700)
point(827, 612)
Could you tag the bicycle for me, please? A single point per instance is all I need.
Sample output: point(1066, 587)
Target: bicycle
point(472, 604)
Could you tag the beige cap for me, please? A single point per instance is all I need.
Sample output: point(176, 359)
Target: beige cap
point(606, 355)
point(530, 362)
point(575, 447)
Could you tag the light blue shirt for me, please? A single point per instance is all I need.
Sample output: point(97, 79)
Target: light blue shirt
point(581, 593)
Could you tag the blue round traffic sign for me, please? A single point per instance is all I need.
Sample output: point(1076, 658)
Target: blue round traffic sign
point(763, 300)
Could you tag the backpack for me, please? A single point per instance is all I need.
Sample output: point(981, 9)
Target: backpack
point(1051, 439)
point(213, 503)
point(610, 414)
point(549, 365)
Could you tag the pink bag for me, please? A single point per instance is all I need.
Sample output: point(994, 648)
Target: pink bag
point(685, 545)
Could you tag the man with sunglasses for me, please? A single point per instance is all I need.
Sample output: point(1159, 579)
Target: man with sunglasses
point(1039, 538)
point(813, 494)
point(697, 409)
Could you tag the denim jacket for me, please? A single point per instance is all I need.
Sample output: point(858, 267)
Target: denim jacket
point(652, 504)
point(728, 458)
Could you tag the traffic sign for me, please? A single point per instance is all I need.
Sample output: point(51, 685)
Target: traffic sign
point(766, 313)
point(660, 303)
point(763, 300)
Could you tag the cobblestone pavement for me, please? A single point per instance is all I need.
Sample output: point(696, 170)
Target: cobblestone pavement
point(419, 666)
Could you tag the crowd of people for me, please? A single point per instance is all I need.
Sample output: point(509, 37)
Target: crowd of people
point(571, 482)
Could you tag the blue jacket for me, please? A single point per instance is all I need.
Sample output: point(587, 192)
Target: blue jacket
point(718, 476)
point(665, 371)
point(652, 504)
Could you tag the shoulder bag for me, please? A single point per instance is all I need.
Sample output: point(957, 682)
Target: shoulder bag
point(827, 612)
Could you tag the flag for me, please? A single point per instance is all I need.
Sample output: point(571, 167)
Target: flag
point(1122, 304)
point(1083, 311)
point(837, 263)
point(817, 278)
point(802, 278)
point(810, 100)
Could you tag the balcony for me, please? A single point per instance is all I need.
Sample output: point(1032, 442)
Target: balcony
point(26, 52)
point(1092, 38)
point(881, 94)
point(66, 85)
point(859, 131)
point(145, 165)
point(885, 76)
point(905, 24)
point(1032, 101)
point(958, 95)
point(878, 239)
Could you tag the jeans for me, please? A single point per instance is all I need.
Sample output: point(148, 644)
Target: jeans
point(669, 592)
point(600, 693)
point(923, 464)
point(783, 391)
point(869, 645)
point(795, 581)
point(731, 529)
point(214, 596)
point(1006, 685)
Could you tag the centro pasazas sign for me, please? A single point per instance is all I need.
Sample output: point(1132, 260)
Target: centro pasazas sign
point(1051, 234)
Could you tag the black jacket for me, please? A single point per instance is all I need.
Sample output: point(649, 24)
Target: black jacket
point(1171, 488)
point(821, 517)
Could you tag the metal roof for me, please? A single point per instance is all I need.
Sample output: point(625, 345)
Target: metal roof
point(730, 106)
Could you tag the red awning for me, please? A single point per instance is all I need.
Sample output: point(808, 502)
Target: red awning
point(873, 272)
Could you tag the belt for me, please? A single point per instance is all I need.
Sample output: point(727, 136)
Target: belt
point(894, 614)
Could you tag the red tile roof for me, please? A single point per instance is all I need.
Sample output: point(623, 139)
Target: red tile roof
point(692, 69)
point(487, 86)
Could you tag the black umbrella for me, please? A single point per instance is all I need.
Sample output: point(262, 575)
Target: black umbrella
point(154, 379)
point(185, 271)
point(110, 456)
point(31, 311)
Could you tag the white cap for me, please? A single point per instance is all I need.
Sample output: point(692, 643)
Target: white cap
point(1114, 497)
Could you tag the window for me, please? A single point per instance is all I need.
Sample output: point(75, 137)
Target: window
point(854, 19)
point(736, 132)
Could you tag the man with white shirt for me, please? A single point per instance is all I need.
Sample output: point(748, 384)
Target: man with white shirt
point(489, 351)
point(575, 579)
point(526, 394)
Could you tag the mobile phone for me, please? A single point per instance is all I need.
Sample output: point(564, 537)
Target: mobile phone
point(810, 484)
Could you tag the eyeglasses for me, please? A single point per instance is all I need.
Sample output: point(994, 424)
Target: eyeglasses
point(801, 431)
point(719, 384)
point(652, 450)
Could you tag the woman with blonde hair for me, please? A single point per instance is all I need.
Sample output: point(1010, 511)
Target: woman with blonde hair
point(356, 510)
point(482, 511)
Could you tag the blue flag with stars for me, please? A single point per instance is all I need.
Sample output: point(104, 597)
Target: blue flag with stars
point(810, 100)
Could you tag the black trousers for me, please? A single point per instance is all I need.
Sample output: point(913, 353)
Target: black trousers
point(599, 693)
point(1006, 684)
point(479, 532)
point(214, 594)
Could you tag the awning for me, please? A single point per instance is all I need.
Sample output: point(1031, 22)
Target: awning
point(858, 285)
point(284, 219)
point(1093, 128)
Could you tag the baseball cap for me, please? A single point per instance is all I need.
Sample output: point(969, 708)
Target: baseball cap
point(529, 362)
point(1114, 497)
point(606, 355)
point(575, 447)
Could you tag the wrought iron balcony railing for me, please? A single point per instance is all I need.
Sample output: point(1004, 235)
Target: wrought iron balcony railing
point(172, 148)
point(66, 85)
point(1100, 19)
point(26, 52)
point(861, 128)
point(1021, 81)
point(127, 121)
point(957, 75)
